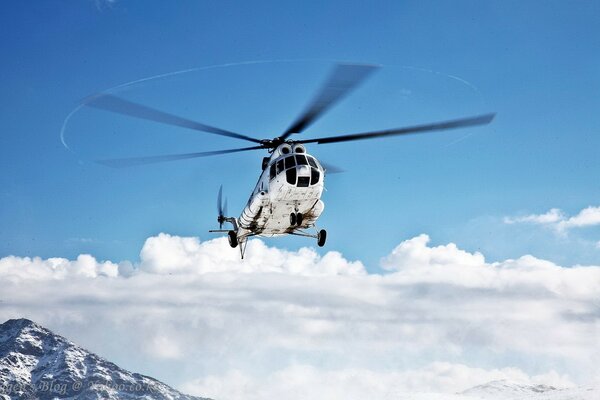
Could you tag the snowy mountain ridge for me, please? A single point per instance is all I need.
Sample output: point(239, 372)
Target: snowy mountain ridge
point(506, 390)
point(38, 364)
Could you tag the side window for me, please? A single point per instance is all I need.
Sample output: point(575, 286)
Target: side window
point(272, 171)
point(279, 166)
point(301, 160)
point(314, 176)
point(312, 162)
point(290, 162)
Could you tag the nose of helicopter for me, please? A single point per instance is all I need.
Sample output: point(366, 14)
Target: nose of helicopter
point(303, 172)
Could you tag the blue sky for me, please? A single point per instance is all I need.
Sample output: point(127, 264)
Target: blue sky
point(537, 65)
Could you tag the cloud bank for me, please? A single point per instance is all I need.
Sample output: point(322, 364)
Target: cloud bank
point(558, 220)
point(298, 325)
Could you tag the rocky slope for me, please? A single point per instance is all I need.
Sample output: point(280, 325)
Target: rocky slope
point(38, 364)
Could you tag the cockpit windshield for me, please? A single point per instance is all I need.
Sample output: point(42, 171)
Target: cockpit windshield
point(289, 163)
point(301, 160)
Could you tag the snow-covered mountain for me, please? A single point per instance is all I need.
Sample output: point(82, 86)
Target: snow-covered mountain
point(505, 390)
point(38, 364)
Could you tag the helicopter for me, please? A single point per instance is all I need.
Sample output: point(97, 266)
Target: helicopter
point(286, 200)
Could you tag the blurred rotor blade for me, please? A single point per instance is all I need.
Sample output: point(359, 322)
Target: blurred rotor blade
point(133, 161)
point(331, 169)
point(437, 126)
point(221, 217)
point(220, 201)
point(343, 79)
point(225, 207)
point(109, 102)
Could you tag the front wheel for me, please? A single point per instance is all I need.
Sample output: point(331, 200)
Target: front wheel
point(321, 237)
point(292, 219)
point(232, 238)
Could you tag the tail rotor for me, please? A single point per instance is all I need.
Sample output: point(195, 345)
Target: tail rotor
point(221, 208)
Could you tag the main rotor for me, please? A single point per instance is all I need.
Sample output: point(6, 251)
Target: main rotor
point(342, 81)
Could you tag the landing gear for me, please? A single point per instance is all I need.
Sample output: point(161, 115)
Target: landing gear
point(321, 237)
point(232, 238)
point(296, 219)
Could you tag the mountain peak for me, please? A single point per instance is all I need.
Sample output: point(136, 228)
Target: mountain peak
point(504, 388)
point(36, 363)
point(18, 323)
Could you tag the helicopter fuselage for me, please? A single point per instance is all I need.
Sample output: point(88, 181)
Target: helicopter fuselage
point(287, 196)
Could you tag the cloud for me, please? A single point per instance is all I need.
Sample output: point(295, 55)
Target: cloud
point(440, 319)
point(166, 254)
point(553, 216)
point(26, 268)
point(589, 216)
point(104, 4)
point(308, 382)
point(414, 253)
point(557, 220)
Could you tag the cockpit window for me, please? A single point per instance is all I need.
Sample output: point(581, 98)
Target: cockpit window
point(303, 181)
point(314, 176)
point(312, 162)
point(272, 171)
point(290, 162)
point(291, 176)
point(279, 166)
point(301, 160)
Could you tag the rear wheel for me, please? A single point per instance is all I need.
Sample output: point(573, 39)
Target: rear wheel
point(321, 237)
point(299, 218)
point(232, 237)
point(292, 219)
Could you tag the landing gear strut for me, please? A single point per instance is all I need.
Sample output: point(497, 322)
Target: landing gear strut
point(321, 236)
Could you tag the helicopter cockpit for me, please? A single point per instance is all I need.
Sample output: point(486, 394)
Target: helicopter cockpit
point(301, 170)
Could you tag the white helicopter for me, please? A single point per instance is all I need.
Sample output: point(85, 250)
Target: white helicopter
point(287, 197)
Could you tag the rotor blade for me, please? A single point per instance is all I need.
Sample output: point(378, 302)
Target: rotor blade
point(109, 102)
point(437, 126)
point(331, 169)
point(340, 83)
point(133, 161)
point(225, 207)
point(219, 201)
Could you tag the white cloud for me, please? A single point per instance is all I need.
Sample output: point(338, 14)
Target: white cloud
point(24, 268)
point(414, 253)
point(587, 217)
point(556, 219)
point(165, 254)
point(308, 382)
point(551, 217)
point(442, 319)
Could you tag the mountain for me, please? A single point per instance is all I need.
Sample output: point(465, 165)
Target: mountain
point(38, 364)
point(504, 389)
point(507, 390)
